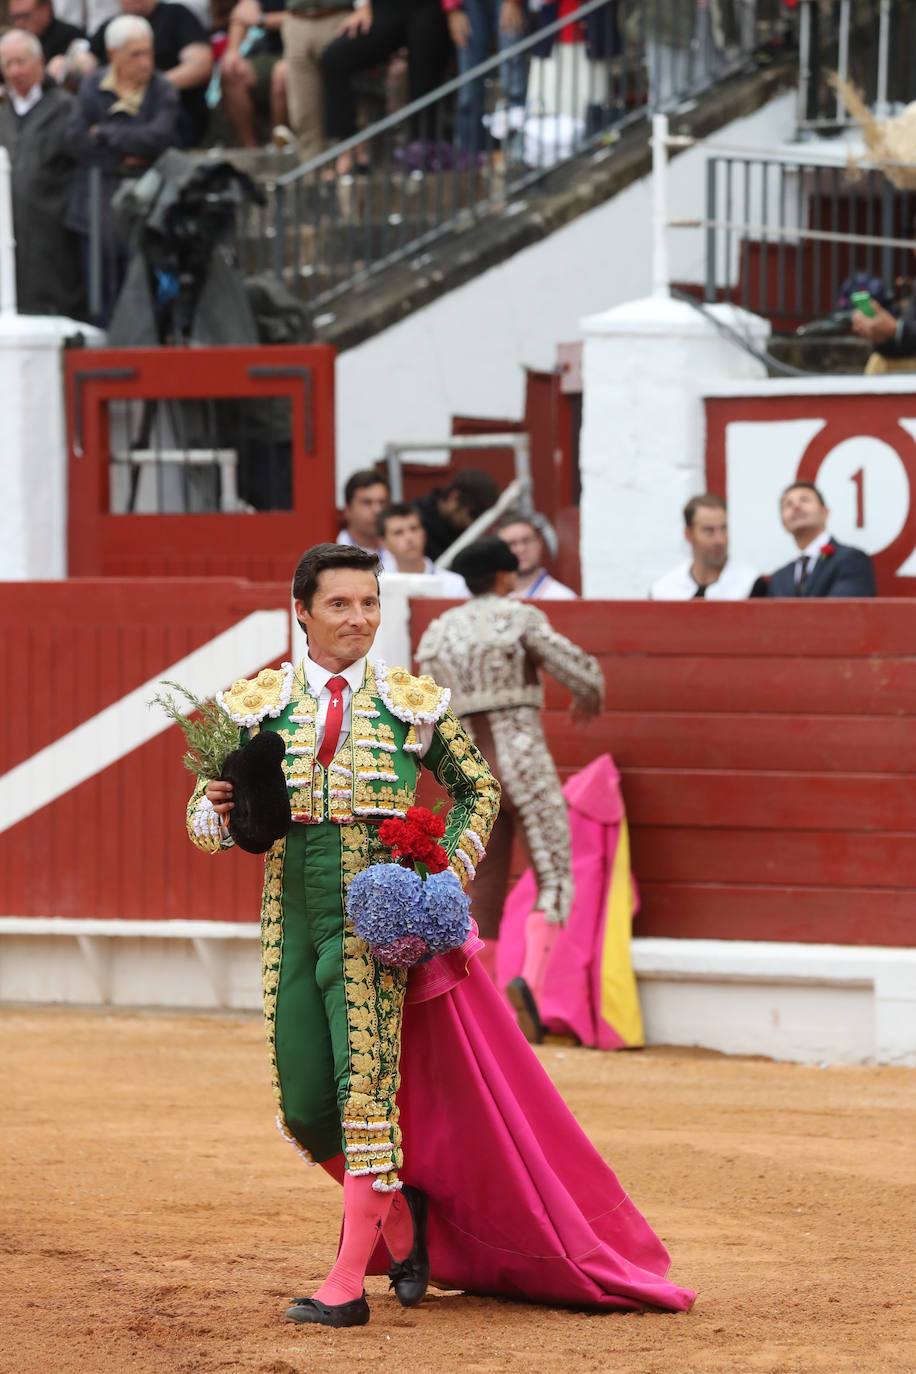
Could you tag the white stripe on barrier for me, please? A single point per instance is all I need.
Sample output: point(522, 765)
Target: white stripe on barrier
point(122, 727)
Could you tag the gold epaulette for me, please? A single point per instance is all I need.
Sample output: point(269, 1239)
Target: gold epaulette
point(412, 699)
point(249, 700)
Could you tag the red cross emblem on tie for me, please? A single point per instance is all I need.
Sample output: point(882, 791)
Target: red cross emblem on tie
point(333, 722)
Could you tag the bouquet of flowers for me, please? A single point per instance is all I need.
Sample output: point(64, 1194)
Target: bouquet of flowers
point(415, 907)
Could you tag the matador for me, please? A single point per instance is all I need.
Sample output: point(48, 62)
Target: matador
point(490, 652)
point(333, 1013)
point(414, 1089)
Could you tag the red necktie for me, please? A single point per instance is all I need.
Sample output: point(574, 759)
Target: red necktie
point(333, 721)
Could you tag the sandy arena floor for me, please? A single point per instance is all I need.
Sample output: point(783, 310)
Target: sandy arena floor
point(151, 1218)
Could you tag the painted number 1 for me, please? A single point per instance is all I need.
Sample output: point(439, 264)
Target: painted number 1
point(858, 479)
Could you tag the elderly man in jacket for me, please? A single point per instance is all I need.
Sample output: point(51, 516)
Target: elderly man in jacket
point(33, 130)
point(125, 115)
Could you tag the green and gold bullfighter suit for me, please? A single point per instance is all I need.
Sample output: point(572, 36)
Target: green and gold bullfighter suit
point(333, 1015)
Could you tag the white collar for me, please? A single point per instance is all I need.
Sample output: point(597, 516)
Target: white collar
point(814, 547)
point(318, 677)
point(23, 103)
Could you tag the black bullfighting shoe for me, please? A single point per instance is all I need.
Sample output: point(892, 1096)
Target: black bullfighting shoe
point(355, 1313)
point(410, 1277)
point(523, 1004)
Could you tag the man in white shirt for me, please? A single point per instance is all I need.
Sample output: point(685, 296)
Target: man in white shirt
point(404, 539)
point(823, 567)
point(365, 496)
point(534, 582)
point(709, 574)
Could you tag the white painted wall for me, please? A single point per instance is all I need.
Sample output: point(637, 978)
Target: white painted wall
point(465, 352)
point(804, 1003)
point(33, 445)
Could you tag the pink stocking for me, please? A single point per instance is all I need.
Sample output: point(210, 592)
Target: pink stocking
point(397, 1228)
point(365, 1212)
point(540, 939)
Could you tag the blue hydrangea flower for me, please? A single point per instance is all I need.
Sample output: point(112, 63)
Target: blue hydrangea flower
point(385, 902)
point(448, 912)
point(393, 910)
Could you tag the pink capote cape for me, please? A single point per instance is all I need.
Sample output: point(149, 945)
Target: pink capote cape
point(520, 1202)
point(589, 987)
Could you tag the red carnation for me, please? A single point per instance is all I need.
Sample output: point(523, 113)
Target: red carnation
point(411, 841)
point(827, 550)
point(426, 820)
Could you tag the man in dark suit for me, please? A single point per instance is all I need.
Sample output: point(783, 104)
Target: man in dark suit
point(824, 567)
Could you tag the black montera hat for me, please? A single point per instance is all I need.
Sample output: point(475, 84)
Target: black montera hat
point(261, 813)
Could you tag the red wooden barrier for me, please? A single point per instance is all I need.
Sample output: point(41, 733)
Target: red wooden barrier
point(115, 845)
point(768, 754)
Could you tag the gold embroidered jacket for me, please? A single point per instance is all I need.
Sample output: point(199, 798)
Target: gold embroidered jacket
point(374, 773)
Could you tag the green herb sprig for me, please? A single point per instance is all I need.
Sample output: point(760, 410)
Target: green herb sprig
point(210, 738)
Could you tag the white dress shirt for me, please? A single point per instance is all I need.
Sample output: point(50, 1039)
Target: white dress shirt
point(318, 679)
point(544, 588)
point(23, 103)
point(452, 583)
point(733, 584)
point(812, 552)
point(386, 559)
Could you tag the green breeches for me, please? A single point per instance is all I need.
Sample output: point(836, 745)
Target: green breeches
point(333, 1014)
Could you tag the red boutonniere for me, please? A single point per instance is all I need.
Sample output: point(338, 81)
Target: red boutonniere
point(827, 550)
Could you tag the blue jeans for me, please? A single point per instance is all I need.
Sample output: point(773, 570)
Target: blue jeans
point(483, 16)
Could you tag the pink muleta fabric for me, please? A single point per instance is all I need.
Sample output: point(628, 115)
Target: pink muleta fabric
point(571, 1000)
point(521, 1203)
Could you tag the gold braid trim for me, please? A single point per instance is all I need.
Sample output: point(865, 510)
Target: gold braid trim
point(198, 829)
point(375, 999)
point(463, 772)
point(271, 959)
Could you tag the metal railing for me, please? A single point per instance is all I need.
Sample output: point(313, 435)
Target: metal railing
point(390, 191)
point(782, 234)
point(870, 43)
point(476, 143)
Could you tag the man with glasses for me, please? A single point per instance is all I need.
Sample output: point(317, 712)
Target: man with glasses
point(533, 581)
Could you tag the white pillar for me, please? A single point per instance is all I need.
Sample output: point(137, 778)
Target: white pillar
point(642, 448)
point(33, 442)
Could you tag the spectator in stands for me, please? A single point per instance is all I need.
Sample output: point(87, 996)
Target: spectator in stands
point(368, 36)
point(88, 14)
point(404, 538)
point(447, 511)
point(308, 28)
point(684, 49)
point(476, 26)
point(891, 337)
point(37, 17)
point(33, 130)
point(533, 582)
point(253, 74)
point(181, 52)
point(124, 116)
point(824, 566)
point(365, 496)
point(709, 572)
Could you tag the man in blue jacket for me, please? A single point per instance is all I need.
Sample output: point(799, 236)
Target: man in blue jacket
point(823, 567)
